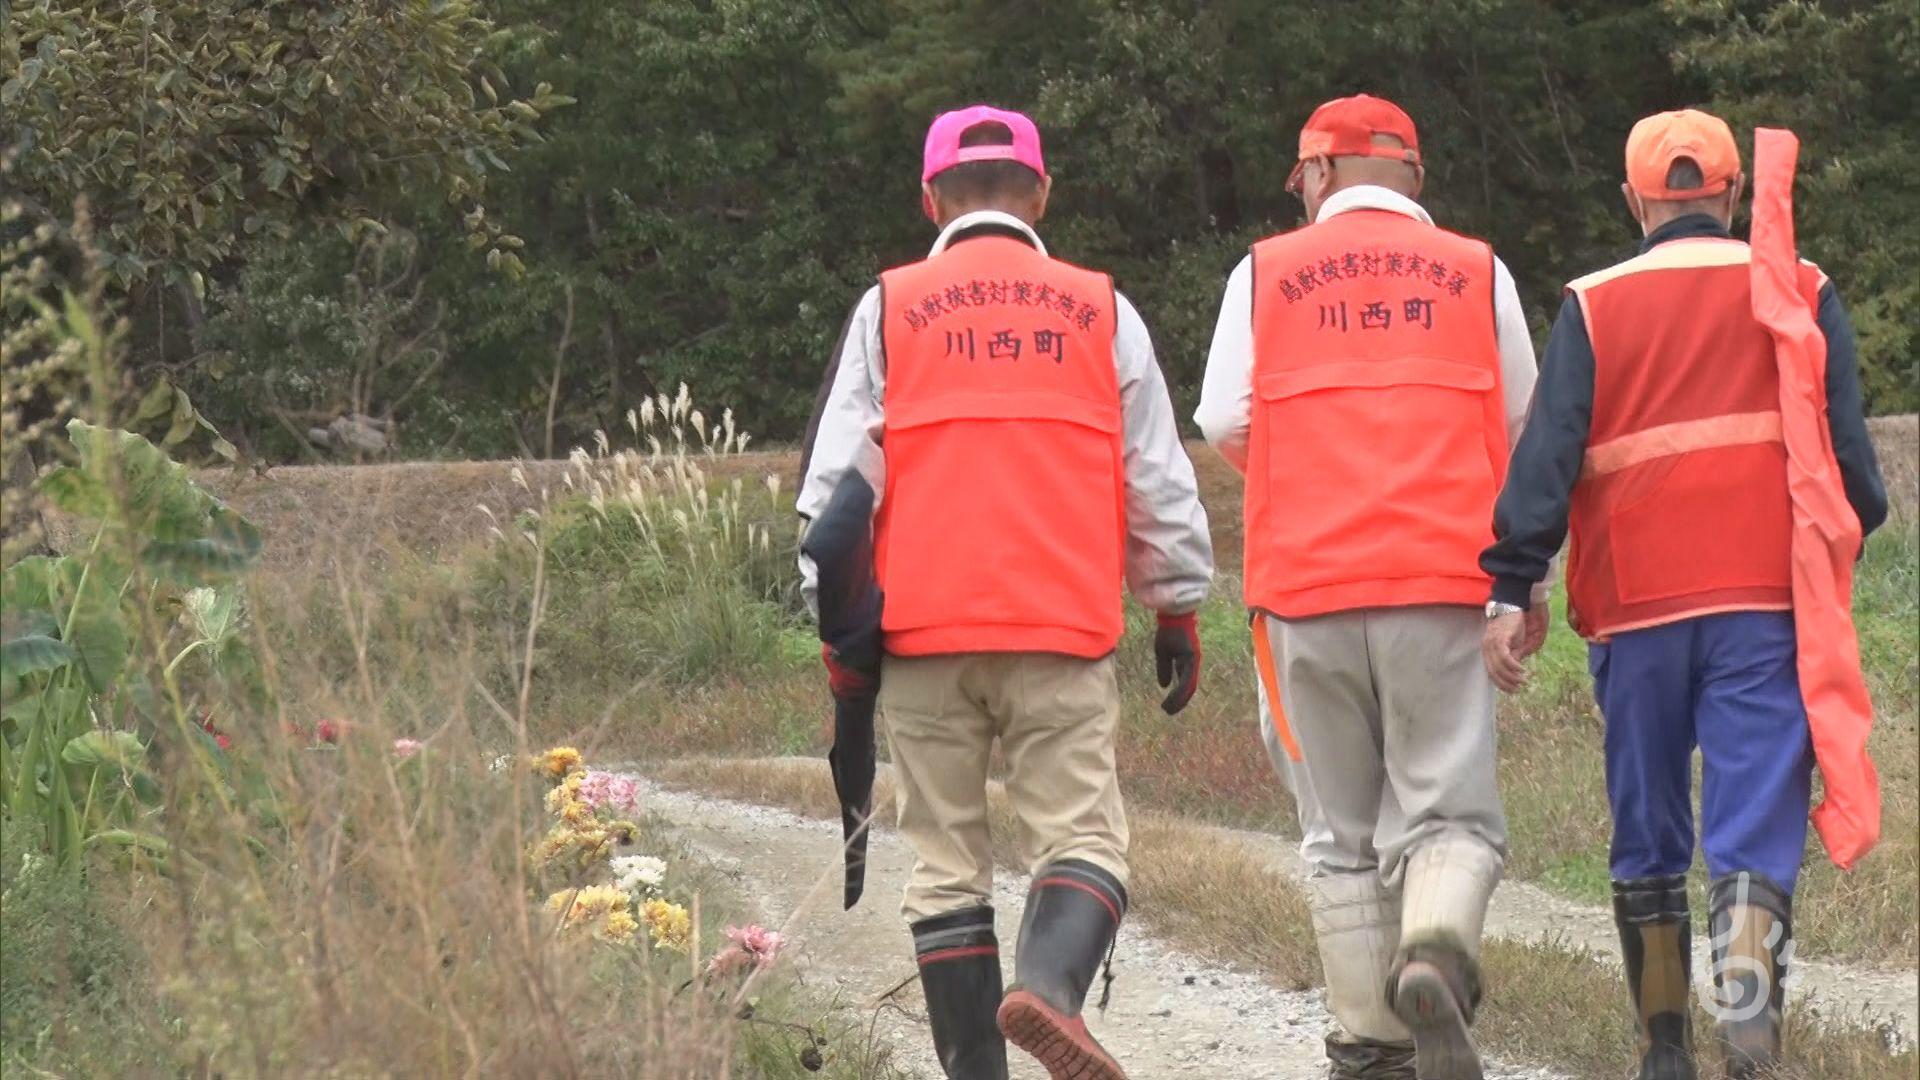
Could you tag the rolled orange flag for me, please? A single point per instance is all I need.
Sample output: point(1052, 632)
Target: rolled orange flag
point(1826, 531)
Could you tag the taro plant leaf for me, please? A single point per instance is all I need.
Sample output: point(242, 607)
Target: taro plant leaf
point(77, 492)
point(231, 545)
point(22, 656)
point(128, 838)
point(96, 627)
point(122, 750)
point(214, 613)
point(31, 584)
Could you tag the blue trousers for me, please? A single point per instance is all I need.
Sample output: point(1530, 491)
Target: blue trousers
point(1727, 684)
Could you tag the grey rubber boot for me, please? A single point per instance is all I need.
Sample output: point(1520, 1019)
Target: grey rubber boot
point(1435, 986)
point(1356, 924)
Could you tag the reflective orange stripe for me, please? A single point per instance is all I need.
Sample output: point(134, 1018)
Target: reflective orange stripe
point(1735, 429)
point(1270, 679)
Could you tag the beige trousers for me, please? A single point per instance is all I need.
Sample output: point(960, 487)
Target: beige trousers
point(1392, 712)
point(1055, 717)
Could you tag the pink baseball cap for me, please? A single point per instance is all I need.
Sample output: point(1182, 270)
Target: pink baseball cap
point(943, 141)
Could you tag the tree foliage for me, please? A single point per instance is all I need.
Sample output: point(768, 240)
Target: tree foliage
point(189, 127)
point(735, 172)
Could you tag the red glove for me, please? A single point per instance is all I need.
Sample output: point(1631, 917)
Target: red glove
point(1176, 658)
point(842, 680)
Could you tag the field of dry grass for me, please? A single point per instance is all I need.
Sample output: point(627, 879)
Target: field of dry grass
point(1205, 764)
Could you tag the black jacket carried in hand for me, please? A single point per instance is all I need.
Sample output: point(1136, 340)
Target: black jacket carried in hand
point(840, 543)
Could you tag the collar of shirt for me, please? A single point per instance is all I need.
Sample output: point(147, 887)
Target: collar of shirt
point(1685, 227)
point(994, 220)
point(1372, 197)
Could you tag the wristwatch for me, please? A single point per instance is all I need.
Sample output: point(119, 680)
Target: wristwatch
point(1495, 609)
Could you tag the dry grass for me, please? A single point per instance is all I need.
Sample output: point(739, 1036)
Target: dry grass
point(1209, 894)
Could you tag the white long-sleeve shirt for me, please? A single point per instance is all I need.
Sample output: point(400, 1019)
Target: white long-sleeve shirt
point(1225, 414)
point(1169, 558)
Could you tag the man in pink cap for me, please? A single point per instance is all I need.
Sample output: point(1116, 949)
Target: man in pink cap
point(999, 418)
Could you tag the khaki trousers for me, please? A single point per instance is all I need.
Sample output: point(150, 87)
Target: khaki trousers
point(1392, 711)
point(1055, 717)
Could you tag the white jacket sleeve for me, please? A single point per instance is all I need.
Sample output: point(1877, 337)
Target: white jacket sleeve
point(849, 431)
point(1169, 551)
point(1225, 414)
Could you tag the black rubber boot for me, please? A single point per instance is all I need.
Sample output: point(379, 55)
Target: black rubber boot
point(1751, 920)
point(960, 975)
point(1073, 911)
point(1656, 948)
point(1353, 1058)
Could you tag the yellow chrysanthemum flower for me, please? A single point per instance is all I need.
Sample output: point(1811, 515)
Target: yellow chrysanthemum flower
point(619, 926)
point(557, 762)
point(670, 924)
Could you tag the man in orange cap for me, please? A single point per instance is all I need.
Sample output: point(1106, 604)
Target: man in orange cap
point(1655, 439)
point(1367, 374)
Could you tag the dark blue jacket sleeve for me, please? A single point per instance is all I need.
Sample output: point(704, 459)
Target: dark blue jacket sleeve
point(1847, 417)
point(1530, 517)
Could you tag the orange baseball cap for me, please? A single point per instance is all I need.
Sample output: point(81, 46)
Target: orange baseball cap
point(1345, 127)
point(1656, 142)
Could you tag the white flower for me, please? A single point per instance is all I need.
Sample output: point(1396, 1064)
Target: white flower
point(639, 873)
point(501, 763)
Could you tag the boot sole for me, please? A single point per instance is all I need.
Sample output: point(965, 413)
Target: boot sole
point(1442, 1049)
point(1061, 1046)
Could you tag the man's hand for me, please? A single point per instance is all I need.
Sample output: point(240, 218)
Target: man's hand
point(1505, 647)
point(1176, 659)
point(1538, 617)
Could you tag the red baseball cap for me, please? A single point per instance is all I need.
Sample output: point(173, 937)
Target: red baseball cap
point(1345, 127)
point(944, 151)
point(1656, 142)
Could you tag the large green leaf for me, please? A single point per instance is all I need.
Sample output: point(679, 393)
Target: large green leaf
point(231, 544)
point(128, 838)
point(77, 492)
point(214, 613)
point(31, 584)
point(120, 749)
point(181, 531)
point(28, 653)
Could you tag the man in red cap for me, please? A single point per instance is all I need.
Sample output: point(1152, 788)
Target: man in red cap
point(1367, 374)
point(1008, 410)
point(1656, 440)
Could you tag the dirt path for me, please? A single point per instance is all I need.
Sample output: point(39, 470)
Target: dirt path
point(1172, 1015)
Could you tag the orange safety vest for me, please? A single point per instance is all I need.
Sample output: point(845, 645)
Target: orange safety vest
point(1681, 508)
point(1002, 525)
point(1379, 436)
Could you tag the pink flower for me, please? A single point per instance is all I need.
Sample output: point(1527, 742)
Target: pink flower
point(615, 791)
point(406, 748)
point(757, 942)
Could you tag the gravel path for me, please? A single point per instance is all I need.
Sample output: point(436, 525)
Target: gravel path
point(1172, 1015)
